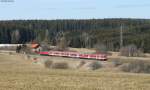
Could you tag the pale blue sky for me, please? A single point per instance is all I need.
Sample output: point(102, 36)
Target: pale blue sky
point(74, 9)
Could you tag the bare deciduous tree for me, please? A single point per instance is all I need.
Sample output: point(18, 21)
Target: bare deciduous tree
point(61, 41)
point(131, 51)
point(15, 36)
point(86, 38)
point(100, 48)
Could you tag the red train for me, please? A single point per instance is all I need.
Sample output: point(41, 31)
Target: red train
point(101, 57)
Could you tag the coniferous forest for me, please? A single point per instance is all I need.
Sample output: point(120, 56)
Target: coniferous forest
point(78, 33)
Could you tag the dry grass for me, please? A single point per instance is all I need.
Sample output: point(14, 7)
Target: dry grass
point(19, 74)
point(83, 50)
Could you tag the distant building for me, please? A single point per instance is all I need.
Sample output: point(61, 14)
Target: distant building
point(36, 47)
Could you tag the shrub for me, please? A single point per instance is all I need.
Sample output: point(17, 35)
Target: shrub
point(81, 64)
point(131, 51)
point(48, 63)
point(95, 65)
point(60, 65)
point(117, 63)
point(136, 67)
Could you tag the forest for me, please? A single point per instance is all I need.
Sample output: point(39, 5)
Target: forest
point(78, 33)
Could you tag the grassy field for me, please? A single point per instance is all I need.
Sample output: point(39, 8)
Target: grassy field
point(16, 73)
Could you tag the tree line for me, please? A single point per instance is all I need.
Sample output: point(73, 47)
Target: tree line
point(78, 33)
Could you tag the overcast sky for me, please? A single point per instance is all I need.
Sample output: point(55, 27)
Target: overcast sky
point(73, 9)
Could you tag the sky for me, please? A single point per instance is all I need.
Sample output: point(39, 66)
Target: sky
point(73, 9)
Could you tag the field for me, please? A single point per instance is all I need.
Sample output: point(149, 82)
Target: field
point(16, 73)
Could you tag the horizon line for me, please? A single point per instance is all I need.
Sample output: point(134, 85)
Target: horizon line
point(73, 19)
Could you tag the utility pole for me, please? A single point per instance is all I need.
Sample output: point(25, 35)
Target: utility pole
point(121, 36)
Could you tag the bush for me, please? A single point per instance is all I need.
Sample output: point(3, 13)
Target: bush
point(81, 64)
point(95, 65)
point(48, 63)
point(131, 51)
point(117, 63)
point(136, 67)
point(60, 65)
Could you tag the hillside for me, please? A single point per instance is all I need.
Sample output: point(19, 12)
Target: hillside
point(17, 73)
